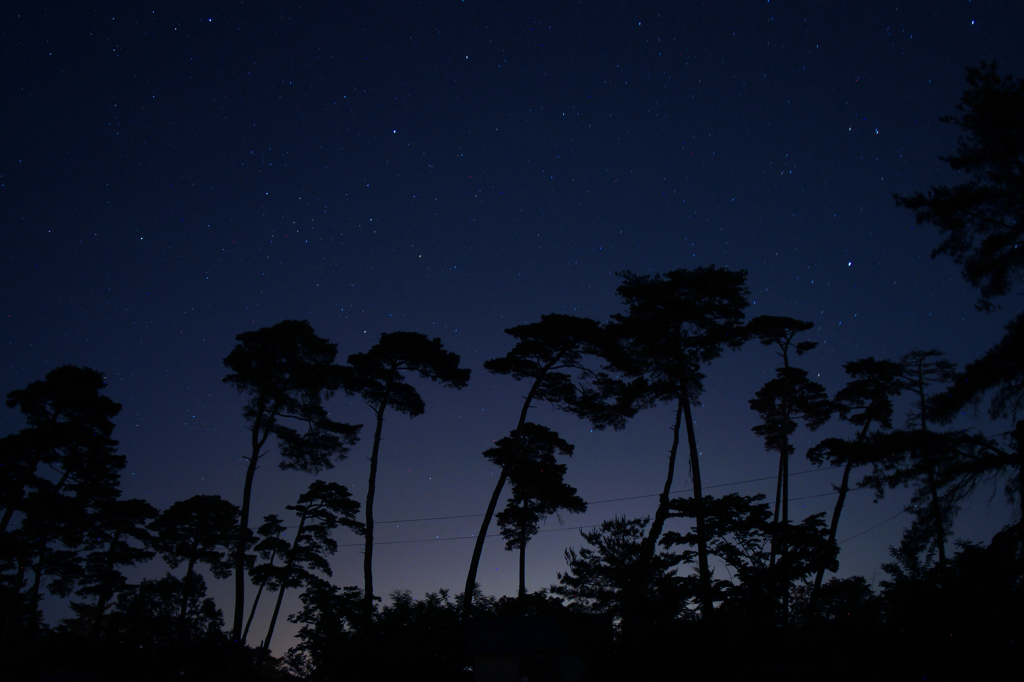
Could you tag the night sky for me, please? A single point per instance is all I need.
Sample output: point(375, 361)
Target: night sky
point(174, 174)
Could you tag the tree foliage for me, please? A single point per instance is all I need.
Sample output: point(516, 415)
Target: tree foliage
point(285, 372)
point(982, 219)
point(538, 486)
point(378, 376)
point(612, 577)
point(675, 324)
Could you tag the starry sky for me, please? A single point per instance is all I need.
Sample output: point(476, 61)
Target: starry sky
point(174, 174)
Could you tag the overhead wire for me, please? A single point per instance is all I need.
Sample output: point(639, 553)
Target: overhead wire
point(617, 499)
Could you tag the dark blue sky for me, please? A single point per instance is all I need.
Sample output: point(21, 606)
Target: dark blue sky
point(174, 174)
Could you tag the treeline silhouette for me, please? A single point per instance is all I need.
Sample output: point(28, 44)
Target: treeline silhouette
point(946, 609)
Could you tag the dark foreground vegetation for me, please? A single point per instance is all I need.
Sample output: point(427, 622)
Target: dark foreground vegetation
point(961, 621)
point(636, 601)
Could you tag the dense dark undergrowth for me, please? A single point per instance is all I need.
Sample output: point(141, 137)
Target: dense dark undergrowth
point(957, 621)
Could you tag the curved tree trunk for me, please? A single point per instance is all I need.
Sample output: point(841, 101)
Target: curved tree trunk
point(649, 546)
point(478, 547)
point(243, 527)
point(778, 506)
point(707, 602)
point(371, 490)
point(256, 601)
point(265, 649)
point(844, 488)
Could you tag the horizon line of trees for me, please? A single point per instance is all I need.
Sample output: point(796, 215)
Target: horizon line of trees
point(66, 530)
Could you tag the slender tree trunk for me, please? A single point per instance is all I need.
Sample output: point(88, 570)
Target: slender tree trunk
point(478, 547)
point(844, 488)
point(243, 527)
point(707, 601)
point(778, 507)
point(784, 554)
point(273, 621)
point(649, 546)
point(284, 581)
point(183, 615)
point(106, 589)
point(37, 582)
point(522, 567)
point(938, 520)
point(252, 611)
point(256, 601)
point(371, 489)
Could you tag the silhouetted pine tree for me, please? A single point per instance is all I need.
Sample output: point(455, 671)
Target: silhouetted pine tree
point(321, 509)
point(378, 376)
point(199, 530)
point(59, 470)
point(538, 486)
point(865, 402)
point(285, 372)
point(675, 324)
point(551, 355)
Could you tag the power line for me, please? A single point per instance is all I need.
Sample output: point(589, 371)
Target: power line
point(467, 537)
point(902, 511)
point(616, 499)
point(562, 530)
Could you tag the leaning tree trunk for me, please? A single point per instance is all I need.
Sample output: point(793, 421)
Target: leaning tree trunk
point(706, 599)
point(242, 540)
point(371, 490)
point(478, 547)
point(256, 601)
point(650, 544)
point(844, 488)
point(280, 594)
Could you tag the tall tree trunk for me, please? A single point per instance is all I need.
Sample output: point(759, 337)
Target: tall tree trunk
point(252, 611)
point(256, 601)
point(478, 547)
point(522, 567)
point(183, 614)
point(106, 589)
point(243, 527)
point(844, 488)
point(649, 546)
point(371, 489)
point(778, 506)
point(938, 520)
point(784, 555)
point(707, 601)
point(280, 594)
point(273, 621)
point(34, 593)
